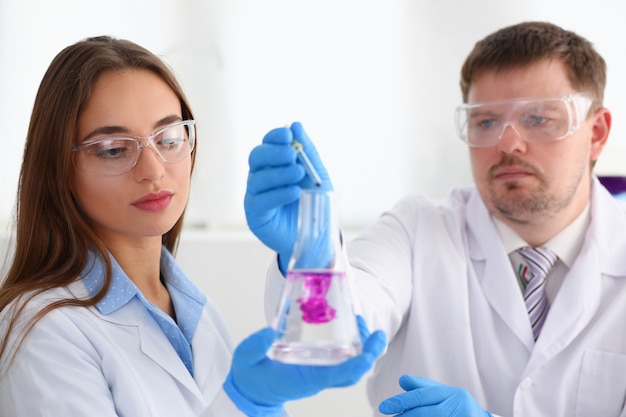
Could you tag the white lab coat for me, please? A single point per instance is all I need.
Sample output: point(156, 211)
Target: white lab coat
point(437, 279)
point(78, 362)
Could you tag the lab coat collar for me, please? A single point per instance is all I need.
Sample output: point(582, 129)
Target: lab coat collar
point(121, 290)
point(566, 244)
point(151, 341)
point(608, 216)
point(130, 312)
point(498, 281)
point(579, 296)
point(154, 344)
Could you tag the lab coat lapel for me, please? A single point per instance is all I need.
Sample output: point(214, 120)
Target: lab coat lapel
point(580, 294)
point(573, 307)
point(498, 281)
point(210, 357)
point(151, 340)
point(155, 345)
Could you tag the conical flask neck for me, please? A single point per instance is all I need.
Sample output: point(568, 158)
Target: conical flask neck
point(318, 233)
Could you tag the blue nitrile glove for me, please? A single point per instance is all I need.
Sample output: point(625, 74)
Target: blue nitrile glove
point(425, 397)
point(274, 182)
point(260, 386)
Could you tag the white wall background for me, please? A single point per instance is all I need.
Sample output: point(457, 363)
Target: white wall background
point(375, 84)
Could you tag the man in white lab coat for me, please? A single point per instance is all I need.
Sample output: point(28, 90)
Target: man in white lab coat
point(475, 328)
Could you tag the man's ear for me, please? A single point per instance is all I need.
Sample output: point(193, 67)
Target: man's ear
point(600, 131)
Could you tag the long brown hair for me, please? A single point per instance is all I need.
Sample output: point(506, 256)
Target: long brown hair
point(52, 236)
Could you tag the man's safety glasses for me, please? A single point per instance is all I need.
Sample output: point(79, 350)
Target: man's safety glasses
point(533, 119)
point(115, 155)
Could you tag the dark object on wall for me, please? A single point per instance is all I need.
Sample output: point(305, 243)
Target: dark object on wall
point(615, 184)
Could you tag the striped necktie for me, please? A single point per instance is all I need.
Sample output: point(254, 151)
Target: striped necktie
point(532, 273)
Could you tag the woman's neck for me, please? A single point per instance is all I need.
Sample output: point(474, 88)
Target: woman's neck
point(140, 259)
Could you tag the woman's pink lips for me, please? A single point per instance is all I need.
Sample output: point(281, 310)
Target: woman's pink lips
point(154, 201)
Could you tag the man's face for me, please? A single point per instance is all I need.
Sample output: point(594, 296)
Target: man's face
point(530, 183)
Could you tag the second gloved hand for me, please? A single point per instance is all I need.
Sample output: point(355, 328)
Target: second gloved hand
point(425, 397)
point(273, 188)
point(260, 386)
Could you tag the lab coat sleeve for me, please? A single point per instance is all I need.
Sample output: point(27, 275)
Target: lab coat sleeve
point(56, 372)
point(381, 260)
point(274, 283)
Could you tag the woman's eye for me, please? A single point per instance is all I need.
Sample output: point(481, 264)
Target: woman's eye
point(111, 149)
point(170, 143)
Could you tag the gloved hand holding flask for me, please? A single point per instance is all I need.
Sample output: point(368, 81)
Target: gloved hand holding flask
point(260, 386)
point(276, 177)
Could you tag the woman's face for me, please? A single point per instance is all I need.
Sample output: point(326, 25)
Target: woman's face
point(148, 200)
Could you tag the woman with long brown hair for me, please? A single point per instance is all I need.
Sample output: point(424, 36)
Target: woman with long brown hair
point(96, 316)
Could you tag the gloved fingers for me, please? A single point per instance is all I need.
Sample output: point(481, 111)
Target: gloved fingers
point(318, 253)
point(271, 200)
point(271, 155)
point(428, 411)
point(421, 392)
point(279, 136)
point(436, 392)
point(268, 382)
point(253, 349)
point(352, 370)
point(300, 135)
point(408, 383)
point(364, 332)
point(309, 148)
point(402, 402)
point(416, 395)
point(374, 346)
point(268, 179)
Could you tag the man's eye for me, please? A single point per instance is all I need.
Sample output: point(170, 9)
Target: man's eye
point(486, 123)
point(536, 120)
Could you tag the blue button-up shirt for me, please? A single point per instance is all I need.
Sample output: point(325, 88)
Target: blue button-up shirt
point(188, 301)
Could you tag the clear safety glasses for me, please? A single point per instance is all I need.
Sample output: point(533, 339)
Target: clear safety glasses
point(115, 155)
point(533, 119)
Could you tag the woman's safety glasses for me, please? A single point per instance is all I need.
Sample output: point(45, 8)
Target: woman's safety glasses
point(115, 155)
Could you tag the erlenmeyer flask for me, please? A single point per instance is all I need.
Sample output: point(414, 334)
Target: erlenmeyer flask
point(315, 323)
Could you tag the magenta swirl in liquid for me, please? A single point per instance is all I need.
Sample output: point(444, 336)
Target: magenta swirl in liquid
point(313, 304)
